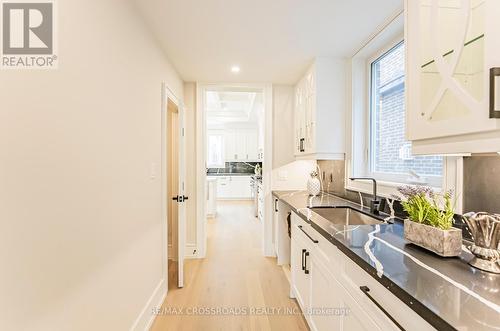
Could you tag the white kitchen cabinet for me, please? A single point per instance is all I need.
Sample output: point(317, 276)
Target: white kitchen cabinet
point(323, 277)
point(449, 51)
point(233, 187)
point(230, 145)
point(299, 275)
point(252, 145)
point(357, 318)
point(325, 295)
point(241, 145)
point(319, 111)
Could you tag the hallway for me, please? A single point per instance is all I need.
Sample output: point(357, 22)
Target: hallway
point(234, 276)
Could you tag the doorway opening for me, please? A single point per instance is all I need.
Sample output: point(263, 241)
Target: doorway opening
point(173, 188)
point(172, 191)
point(235, 167)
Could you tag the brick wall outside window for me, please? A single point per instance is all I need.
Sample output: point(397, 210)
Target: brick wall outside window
point(390, 151)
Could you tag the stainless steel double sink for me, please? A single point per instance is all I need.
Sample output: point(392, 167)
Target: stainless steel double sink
point(345, 216)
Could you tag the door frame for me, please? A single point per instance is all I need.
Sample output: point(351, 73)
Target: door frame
point(201, 134)
point(166, 93)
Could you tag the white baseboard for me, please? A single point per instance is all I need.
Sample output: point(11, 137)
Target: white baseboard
point(146, 318)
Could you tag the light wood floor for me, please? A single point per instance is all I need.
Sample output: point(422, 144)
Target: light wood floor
point(233, 275)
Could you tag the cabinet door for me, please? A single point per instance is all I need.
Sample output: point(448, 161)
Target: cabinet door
point(241, 187)
point(252, 145)
point(223, 187)
point(300, 100)
point(309, 123)
point(230, 145)
point(448, 46)
point(240, 141)
point(300, 280)
point(327, 306)
point(356, 318)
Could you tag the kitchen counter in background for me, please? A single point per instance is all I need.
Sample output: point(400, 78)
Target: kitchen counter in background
point(447, 292)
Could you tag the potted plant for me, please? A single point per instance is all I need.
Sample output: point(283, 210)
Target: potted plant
point(430, 220)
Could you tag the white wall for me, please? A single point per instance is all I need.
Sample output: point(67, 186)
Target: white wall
point(80, 215)
point(283, 125)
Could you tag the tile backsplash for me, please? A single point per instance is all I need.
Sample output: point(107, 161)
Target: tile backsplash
point(333, 178)
point(482, 184)
point(236, 167)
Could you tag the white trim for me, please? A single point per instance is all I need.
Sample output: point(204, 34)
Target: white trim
point(201, 173)
point(201, 132)
point(267, 166)
point(397, 15)
point(166, 93)
point(146, 317)
point(163, 183)
point(398, 178)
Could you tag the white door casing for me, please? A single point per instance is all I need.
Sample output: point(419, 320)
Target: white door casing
point(181, 227)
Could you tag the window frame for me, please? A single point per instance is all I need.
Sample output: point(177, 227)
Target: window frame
point(356, 156)
point(397, 178)
point(217, 133)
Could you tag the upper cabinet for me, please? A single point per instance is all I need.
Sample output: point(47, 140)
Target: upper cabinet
point(242, 145)
point(451, 46)
point(320, 102)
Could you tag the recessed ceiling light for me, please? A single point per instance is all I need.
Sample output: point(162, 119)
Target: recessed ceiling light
point(235, 69)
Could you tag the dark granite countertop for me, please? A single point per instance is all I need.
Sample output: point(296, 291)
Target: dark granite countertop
point(447, 292)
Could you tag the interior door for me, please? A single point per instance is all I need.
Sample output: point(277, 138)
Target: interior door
point(181, 238)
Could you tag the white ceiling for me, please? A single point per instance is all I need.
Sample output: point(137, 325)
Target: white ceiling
point(271, 40)
point(229, 107)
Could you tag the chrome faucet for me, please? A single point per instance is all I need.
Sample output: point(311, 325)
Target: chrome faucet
point(375, 202)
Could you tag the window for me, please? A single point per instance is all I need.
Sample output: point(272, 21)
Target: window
point(215, 151)
point(390, 153)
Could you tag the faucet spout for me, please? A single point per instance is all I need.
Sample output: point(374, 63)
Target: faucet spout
point(375, 202)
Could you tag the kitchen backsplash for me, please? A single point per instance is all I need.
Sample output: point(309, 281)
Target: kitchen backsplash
point(333, 178)
point(236, 168)
point(482, 184)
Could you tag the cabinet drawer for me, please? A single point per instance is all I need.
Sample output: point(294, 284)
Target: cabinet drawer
point(330, 254)
point(354, 278)
point(297, 220)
